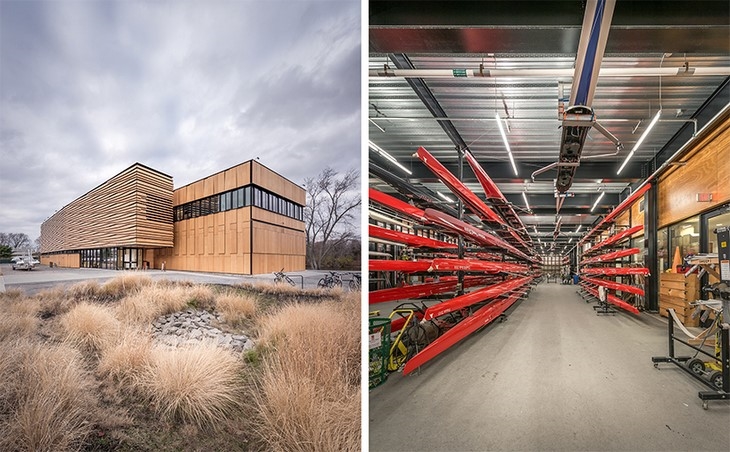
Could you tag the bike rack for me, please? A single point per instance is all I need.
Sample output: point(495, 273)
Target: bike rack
point(300, 277)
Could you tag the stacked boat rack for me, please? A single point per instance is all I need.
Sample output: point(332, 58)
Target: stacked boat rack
point(606, 276)
point(445, 251)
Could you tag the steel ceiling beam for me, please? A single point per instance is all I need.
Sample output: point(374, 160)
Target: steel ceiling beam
point(550, 27)
point(502, 171)
point(401, 61)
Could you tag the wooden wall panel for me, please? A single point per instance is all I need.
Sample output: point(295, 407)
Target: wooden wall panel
point(637, 217)
point(707, 171)
point(222, 242)
point(62, 260)
point(274, 218)
point(132, 209)
point(273, 182)
point(275, 247)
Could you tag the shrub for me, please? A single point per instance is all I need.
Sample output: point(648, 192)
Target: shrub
point(236, 308)
point(198, 385)
point(310, 385)
point(45, 401)
point(90, 327)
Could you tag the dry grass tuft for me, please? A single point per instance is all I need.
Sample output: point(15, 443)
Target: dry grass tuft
point(310, 385)
point(11, 294)
point(45, 401)
point(124, 361)
point(85, 290)
point(124, 284)
point(236, 308)
point(17, 326)
point(151, 302)
point(201, 296)
point(21, 306)
point(91, 327)
point(199, 385)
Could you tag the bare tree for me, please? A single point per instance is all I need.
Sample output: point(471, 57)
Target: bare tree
point(332, 201)
point(15, 240)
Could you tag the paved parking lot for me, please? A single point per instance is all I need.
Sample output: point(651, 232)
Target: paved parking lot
point(43, 277)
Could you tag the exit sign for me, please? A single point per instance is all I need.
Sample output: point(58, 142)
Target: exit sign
point(704, 197)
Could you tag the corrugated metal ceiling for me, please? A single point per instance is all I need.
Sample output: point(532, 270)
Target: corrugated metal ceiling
point(400, 122)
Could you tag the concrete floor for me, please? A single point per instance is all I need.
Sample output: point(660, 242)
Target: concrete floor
point(555, 376)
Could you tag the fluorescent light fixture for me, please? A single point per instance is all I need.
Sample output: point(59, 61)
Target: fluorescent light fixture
point(392, 159)
point(641, 140)
point(525, 198)
point(444, 197)
point(506, 144)
point(578, 228)
point(376, 125)
point(597, 201)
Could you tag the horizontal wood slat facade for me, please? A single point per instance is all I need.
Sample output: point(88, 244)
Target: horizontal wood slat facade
point(132, 209)
point(707, 170)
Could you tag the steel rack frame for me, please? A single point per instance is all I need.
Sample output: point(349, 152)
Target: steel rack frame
point(705, 396)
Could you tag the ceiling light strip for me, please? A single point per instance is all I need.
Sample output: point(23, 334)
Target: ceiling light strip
point(506, 143)
point(527, 204)
point(389, 157)
point(596, 203)
point(641, 140)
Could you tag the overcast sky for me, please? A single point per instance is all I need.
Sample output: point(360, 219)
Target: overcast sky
point(87, 88)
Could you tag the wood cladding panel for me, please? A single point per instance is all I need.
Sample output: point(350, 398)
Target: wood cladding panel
point(222, 243)
point(133, 209)
point(268, 239)
point(265, 178)
point(707, 171)
point(62, 260)
point(276, 219)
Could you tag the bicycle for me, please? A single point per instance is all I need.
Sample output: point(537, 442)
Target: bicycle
point(355, 282)
point(280, 277)
point(330, 281)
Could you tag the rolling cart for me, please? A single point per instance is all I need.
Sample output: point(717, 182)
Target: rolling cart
point(719, 378)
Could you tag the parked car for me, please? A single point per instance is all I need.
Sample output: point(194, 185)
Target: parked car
point(24, 262)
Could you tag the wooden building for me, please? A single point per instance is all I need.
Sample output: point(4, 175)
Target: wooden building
point(246, 219)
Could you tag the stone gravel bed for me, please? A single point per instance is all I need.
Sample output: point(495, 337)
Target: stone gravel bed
point(192, 326)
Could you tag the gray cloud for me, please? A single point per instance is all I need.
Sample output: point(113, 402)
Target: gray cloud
point(188, 88)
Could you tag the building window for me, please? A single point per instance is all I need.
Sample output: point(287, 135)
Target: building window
point(235, 199)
